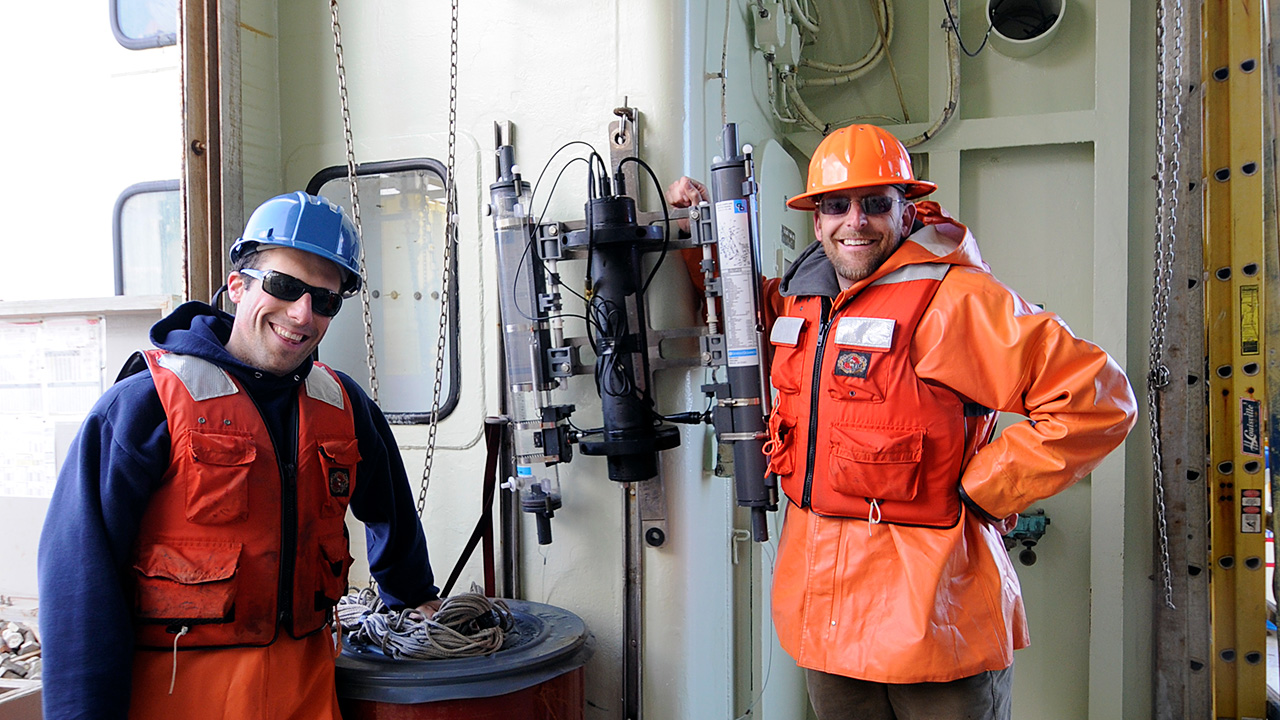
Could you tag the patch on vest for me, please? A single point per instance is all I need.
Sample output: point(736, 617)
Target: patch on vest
point(851, 363)
point(339, 482)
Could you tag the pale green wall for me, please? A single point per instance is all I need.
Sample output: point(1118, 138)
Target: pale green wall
point(1047, 161)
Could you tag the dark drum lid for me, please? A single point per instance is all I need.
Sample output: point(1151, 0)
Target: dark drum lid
point(547, 642)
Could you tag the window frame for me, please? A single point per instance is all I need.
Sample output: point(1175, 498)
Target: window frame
point(117, 221)
point(133, 43)
point(454, 359)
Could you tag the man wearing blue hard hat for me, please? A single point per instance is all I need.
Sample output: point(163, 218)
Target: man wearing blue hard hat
point(196, 544)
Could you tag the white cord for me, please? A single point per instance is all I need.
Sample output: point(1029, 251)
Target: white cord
point(173, 679)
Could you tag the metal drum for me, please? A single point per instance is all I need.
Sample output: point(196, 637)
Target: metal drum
point(537, 675)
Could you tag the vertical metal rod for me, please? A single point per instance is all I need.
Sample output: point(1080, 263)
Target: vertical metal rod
point(508, 502)
point(633, 612)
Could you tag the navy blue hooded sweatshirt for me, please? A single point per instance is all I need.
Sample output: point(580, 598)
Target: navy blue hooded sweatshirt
point(115, 463)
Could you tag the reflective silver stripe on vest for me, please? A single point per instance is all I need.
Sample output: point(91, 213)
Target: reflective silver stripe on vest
point(201, 378)
point(930, 239)
point(907, 273)
point(324, 387)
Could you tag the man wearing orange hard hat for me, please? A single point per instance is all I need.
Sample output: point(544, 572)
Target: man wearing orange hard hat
point(894, 350)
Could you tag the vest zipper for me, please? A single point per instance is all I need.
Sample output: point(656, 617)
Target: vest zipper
point(288, 515)
point(824, 324)
point(288, 527)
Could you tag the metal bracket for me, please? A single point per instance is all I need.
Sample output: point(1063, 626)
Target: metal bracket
point(702, 224)
point(737, 539)
point(567, 361)
point(624, 142)
point(713, 352)
point(660, 360)
point(551, 241)
point(653, 510)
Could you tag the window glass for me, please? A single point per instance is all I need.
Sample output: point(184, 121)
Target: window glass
point(112, 109)
point(141, 24)
point(148, 240)
point(402, 208)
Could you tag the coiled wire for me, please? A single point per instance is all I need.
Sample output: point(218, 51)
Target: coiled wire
point(466, 625)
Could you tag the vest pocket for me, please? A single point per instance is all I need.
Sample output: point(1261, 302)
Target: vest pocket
point(338, 459)
point(331, 574)
point(787, 365)
point(781, 446)
point(850, 379)
point(218, 491)
point(191, 581)
point(876, 463)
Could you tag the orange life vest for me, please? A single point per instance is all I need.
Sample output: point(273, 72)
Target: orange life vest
point(237, 542)
point(856, 434)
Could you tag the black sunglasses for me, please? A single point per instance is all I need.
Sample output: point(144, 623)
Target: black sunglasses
point(871, 204)
point(289, 288)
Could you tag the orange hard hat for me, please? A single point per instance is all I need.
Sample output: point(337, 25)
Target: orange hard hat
point(859, 156)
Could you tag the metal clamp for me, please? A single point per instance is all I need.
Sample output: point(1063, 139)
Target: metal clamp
point(738, 402)
point(742, 436)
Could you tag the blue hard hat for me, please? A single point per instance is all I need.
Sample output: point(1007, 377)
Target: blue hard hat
point(304, 222)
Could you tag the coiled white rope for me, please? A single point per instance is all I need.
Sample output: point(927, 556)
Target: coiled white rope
point(466, 625)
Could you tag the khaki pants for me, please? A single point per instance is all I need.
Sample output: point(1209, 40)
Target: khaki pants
point(985, 696)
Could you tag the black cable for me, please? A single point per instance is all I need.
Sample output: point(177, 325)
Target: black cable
point(602, 315)
point(543, 215)
point(532, 238)
point(666, 217)
point(515, 284)
point(589, 287)
point(591, 160)
point(955, 28)
point(580, 431)
point(553, 157)
point(611, 378)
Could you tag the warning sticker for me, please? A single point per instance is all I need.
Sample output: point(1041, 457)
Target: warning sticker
point(1251, 524)
point(1249, 330)
point(1251, 511)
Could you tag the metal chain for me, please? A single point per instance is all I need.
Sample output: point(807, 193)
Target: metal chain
point(450, 243)
point(1169, 166)
point(371, 360)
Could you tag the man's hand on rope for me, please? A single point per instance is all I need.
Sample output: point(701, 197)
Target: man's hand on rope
point(430, 608)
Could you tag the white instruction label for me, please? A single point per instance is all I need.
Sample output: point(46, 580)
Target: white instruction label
point(738, 282)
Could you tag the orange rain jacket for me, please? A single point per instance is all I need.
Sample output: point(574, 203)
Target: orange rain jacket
point(902, 604)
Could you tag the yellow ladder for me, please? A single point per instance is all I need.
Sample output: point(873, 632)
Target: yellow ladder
point(1235, 66)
